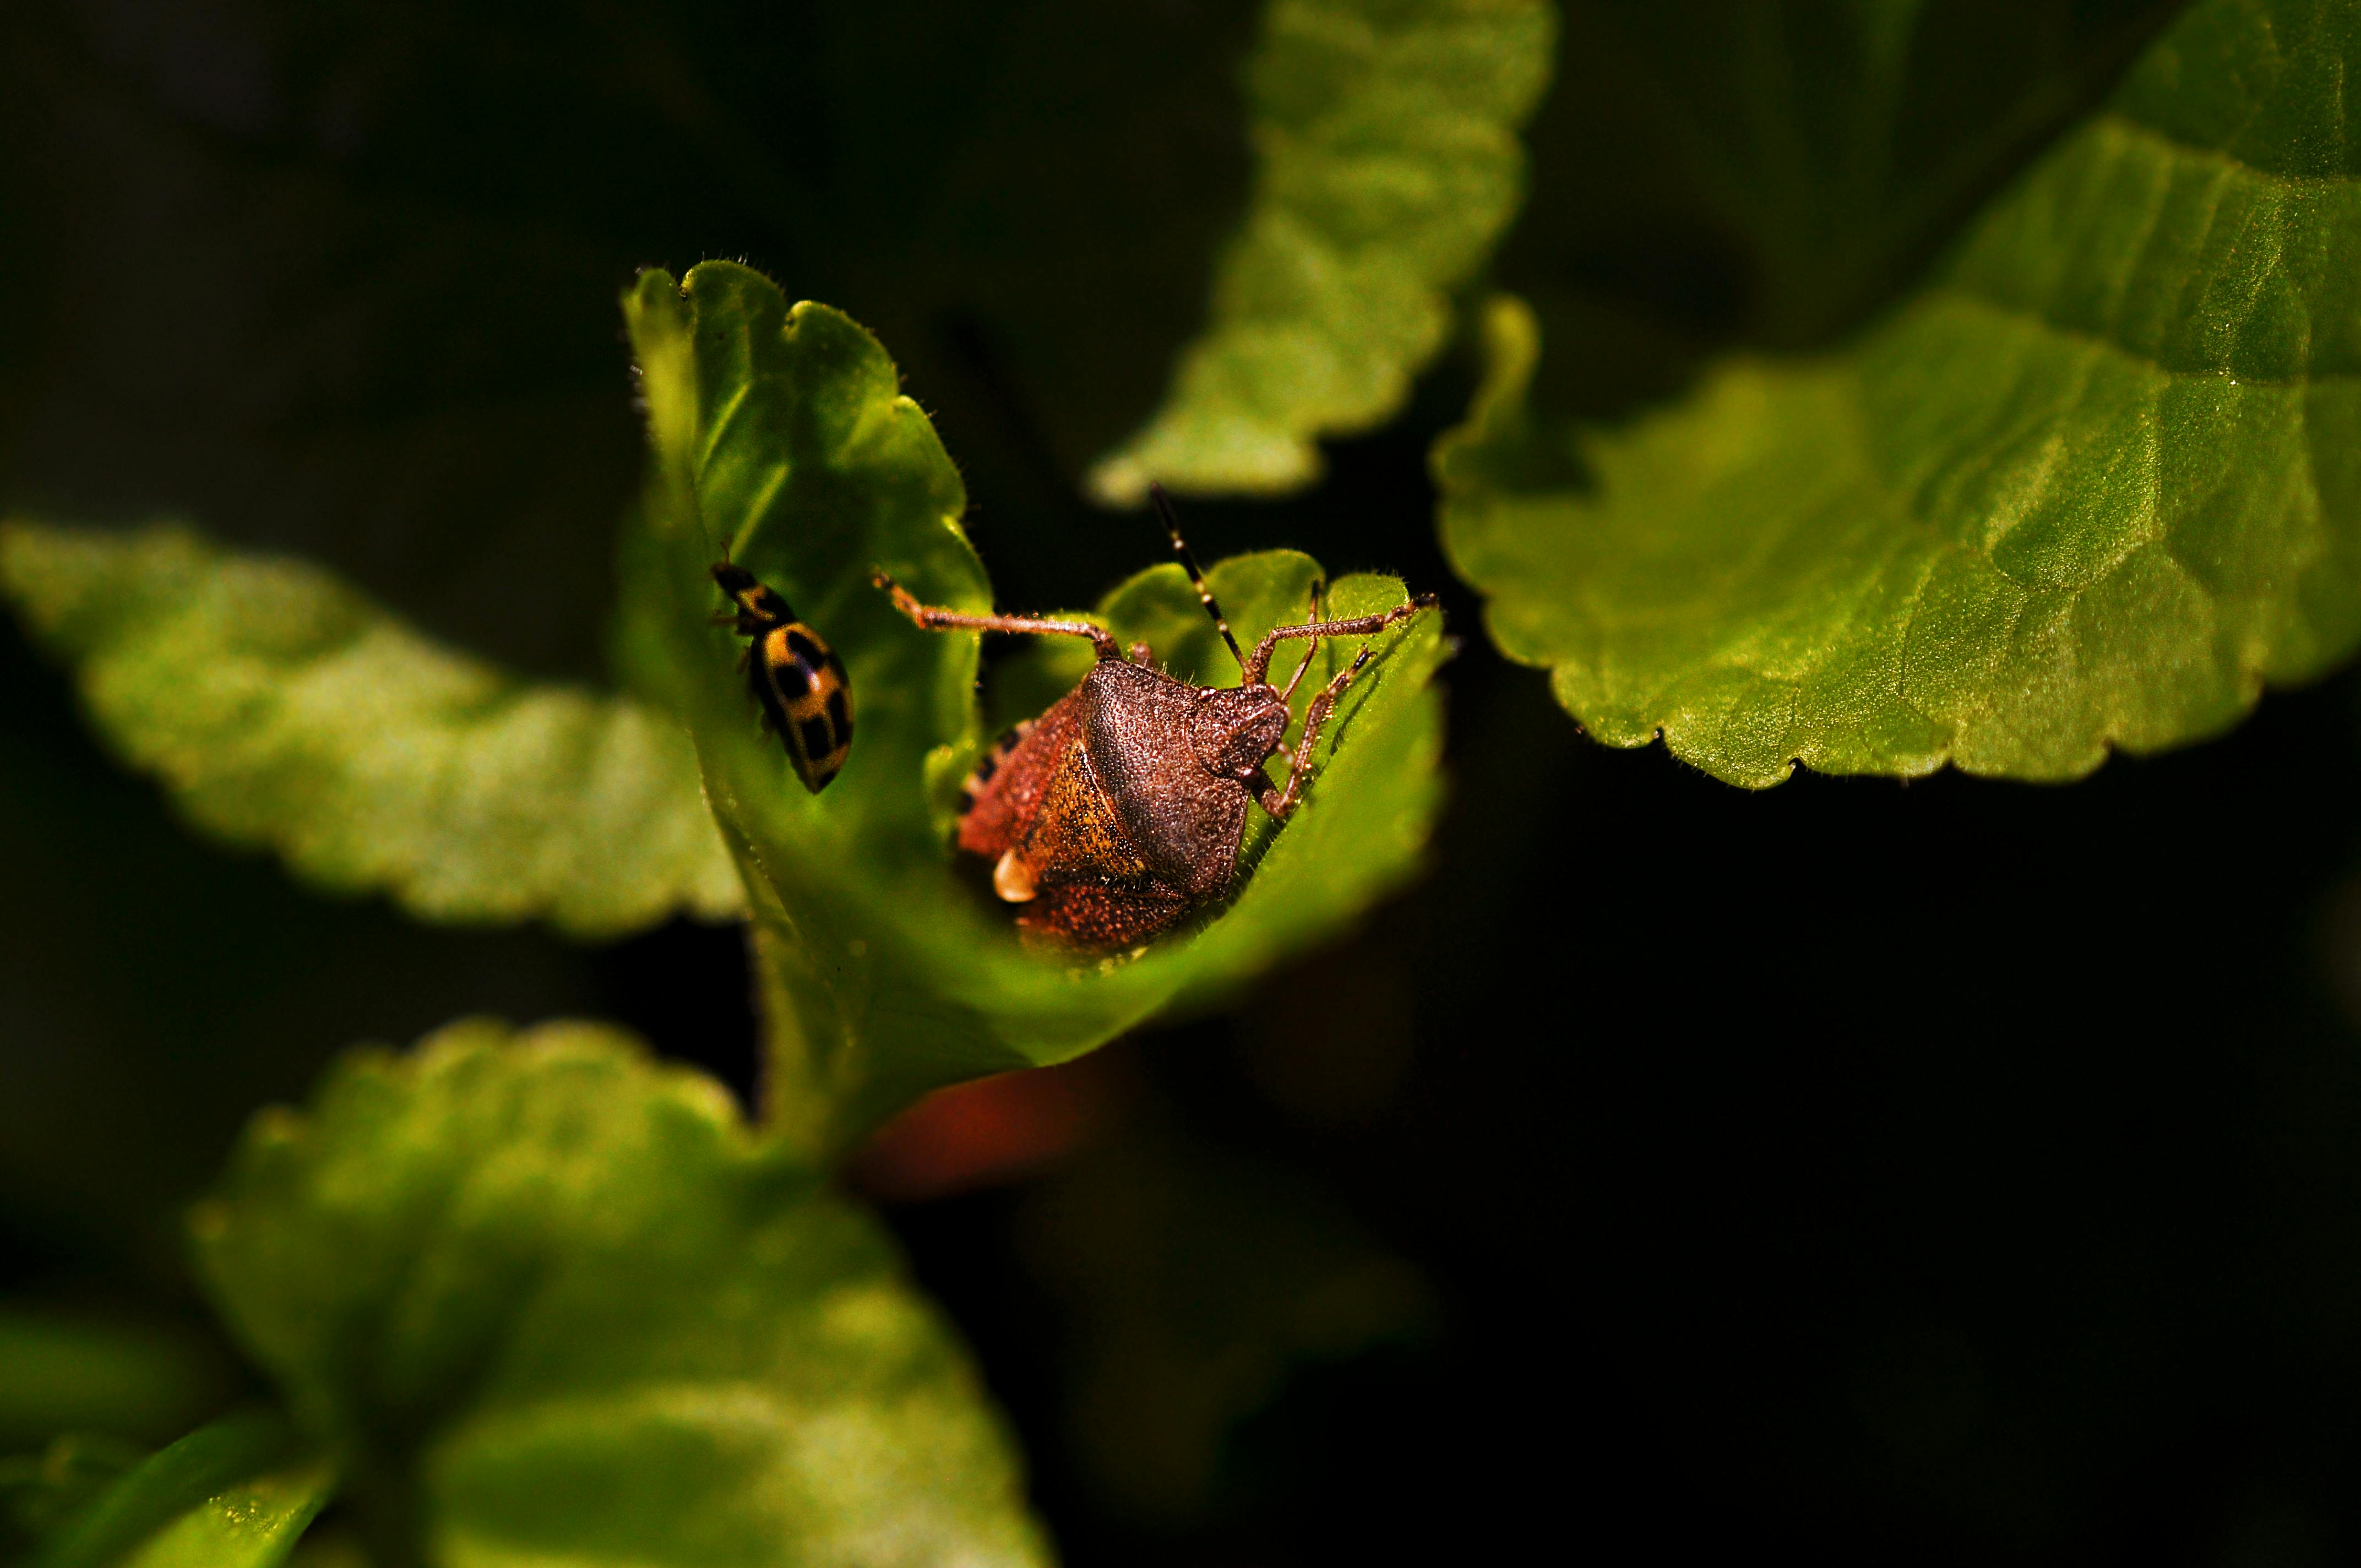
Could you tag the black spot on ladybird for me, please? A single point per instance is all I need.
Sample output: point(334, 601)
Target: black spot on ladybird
point(794, 675)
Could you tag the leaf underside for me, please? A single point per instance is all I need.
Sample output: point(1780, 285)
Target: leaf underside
point(281, 709)
point(780, 433)
point(598, 1321)
point(2092, 487)
point(1388, 163)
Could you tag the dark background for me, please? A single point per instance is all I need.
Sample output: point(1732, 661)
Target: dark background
point(1949, 1172)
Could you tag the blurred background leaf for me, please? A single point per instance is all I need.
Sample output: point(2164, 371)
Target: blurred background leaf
point(281, 709)
point(1388, 163)
point(555, 1299)
point(155, 987)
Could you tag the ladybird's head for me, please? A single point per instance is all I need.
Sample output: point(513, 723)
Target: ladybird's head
point(748, 594)
point(1235, 730)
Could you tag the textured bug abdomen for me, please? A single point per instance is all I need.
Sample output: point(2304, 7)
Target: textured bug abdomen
point(1093, 916)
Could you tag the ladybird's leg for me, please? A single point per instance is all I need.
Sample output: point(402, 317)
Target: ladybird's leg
point(1314, 717)
point(1258, 664)
point(933, 617)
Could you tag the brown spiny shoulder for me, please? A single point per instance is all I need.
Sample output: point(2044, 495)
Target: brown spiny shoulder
point(1005, 791)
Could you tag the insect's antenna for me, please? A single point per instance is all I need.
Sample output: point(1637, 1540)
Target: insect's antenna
point(729, 542)
point(1189, 561)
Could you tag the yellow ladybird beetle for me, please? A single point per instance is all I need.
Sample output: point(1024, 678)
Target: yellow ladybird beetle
point(796, 677)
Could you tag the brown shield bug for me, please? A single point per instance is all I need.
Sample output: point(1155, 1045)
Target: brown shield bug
point(1120, 810)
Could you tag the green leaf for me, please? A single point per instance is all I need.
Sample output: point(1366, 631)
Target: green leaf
point(233, 1494)
point(782, 434)
point(1389, 164)
point(282, 709)
point(565, 1305)
point(2091, 487)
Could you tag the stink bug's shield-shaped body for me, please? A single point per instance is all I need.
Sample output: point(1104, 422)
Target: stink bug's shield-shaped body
point(795, 677)
point(1111, 815)
point(1121, 809)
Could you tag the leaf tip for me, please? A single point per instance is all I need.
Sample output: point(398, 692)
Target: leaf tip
point(1510, 336)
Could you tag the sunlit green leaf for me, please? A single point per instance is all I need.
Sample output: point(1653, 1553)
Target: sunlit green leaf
point(282, 709)
point(566, 1301)
point(1389, 163)
point(233, 1494)
point(780, 433)
point(2091, 487)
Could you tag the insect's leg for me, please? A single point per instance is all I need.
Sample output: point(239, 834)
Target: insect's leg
point(1141, 653)
point(1314, 717)
point(933, 617)
point(1259, 663)
point(1310, 648)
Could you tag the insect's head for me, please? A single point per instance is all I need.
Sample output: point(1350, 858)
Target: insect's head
point(1234, 729)
point(749, 595)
